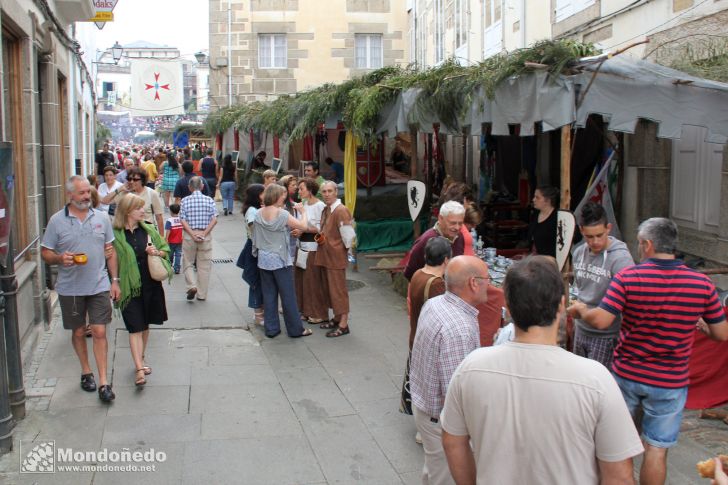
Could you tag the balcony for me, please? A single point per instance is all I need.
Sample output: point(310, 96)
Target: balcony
point(75, 10)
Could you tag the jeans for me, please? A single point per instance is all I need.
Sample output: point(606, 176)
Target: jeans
point(227, 190)
point(176, 256)
point(212, 184)
point(255, 296)
point(662, 409)
point(273, 283)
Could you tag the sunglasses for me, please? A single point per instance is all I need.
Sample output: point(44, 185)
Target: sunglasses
point(135, 179)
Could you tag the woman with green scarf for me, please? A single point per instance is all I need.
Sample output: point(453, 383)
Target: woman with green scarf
point(142, 300)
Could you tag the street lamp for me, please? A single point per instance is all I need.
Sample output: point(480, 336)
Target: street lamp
point(116, 51)
point(200, 56)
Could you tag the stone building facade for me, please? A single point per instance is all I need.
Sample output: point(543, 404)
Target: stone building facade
point(284, 46)
point(47, 120)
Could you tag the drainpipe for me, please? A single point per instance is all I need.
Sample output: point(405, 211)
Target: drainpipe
point(230, 54)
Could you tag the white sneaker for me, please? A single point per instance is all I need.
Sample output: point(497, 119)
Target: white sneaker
point(418, 438)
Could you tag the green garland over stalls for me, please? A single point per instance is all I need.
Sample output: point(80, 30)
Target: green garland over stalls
point(446, 92)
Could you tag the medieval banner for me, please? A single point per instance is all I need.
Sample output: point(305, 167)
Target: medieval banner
point(156, 87)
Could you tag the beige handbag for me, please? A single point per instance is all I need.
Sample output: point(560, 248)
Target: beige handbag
point(157, 270)
point(301, 258)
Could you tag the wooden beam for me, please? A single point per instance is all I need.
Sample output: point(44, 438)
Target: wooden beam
point(565, 167)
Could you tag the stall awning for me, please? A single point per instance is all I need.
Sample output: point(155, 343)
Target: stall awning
point(624, 90)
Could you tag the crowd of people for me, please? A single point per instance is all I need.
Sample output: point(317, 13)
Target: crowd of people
point(572, 413)
point(487, 409)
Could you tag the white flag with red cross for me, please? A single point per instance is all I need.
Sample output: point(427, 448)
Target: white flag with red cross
point(156, 87)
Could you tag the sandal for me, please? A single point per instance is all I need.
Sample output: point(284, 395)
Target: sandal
point(306, 332)
point(258, 317)
point(140, 380)
point(328, 325)
point(147, 370)
point(316, 321)
point(338, 332)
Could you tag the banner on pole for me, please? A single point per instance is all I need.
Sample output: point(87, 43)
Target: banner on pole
point(599, 192)
point(156, 87)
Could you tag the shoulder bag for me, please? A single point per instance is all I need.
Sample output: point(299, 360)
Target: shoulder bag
point(157, 270)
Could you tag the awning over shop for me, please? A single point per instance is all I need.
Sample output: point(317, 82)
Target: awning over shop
point(623, 91)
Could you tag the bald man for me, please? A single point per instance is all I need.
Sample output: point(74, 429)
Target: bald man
point(447, 331)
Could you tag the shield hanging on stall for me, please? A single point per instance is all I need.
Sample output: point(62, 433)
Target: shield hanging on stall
point(565, 227)
point(370, 165)
point(415, 197)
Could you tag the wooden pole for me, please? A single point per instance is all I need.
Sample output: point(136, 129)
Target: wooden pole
point(566, 167)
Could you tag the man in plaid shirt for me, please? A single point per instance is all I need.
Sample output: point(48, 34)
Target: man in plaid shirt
point(447, 331)
point(198, 215)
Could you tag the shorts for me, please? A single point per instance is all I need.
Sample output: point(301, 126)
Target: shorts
point(662, 410)
point(75, 308)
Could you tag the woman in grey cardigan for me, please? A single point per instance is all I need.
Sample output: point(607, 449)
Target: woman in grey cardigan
point(271, 243)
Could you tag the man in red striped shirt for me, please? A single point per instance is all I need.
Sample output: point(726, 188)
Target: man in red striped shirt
point(663, 303)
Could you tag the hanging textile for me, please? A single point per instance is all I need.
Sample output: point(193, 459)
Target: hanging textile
point(308, 148)
point(350, 171)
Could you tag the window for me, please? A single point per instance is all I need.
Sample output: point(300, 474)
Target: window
point(422, 42)
point(493, 20)
point(461, 23)
point(368, 51)
point(696, 180)
point(272, 51)
point(439, 32)
point(567, 8)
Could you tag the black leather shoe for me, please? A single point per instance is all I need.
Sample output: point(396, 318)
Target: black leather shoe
point(88, 383)
point(106, 394)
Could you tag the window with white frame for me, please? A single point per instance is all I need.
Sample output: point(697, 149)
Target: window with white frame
point(439, 32)
point(493, 32)
point(272, 51)
point(422, 42)
point(368, 51)
point(567, 8)
point(461, 23)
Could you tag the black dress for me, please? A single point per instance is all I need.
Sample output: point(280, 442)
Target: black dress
point(542, 235)
point(149, 308)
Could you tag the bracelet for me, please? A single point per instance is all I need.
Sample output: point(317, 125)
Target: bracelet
point(115, 279)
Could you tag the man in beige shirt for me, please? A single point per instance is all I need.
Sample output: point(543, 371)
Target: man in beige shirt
point(534, 412)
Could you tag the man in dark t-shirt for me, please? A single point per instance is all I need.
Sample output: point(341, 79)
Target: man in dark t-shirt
point(104, 158)
point(182, 188)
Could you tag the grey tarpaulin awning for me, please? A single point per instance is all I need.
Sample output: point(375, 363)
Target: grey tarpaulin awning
point(403, 112)
point(627, 89)
point(526, 100)
point(624, 90)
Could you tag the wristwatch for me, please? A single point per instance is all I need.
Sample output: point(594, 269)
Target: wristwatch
point(115, 279)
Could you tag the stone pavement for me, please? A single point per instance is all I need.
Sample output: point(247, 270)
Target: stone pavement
point(226, 405)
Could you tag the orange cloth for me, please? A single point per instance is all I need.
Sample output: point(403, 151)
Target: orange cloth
point(489, 315)
point(467, 240)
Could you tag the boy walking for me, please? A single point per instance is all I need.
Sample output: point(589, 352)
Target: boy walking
point(173, 230)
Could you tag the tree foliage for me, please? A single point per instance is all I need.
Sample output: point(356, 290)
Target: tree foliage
point(445, 92)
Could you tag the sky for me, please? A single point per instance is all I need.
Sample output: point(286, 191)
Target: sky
point(176, 23)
